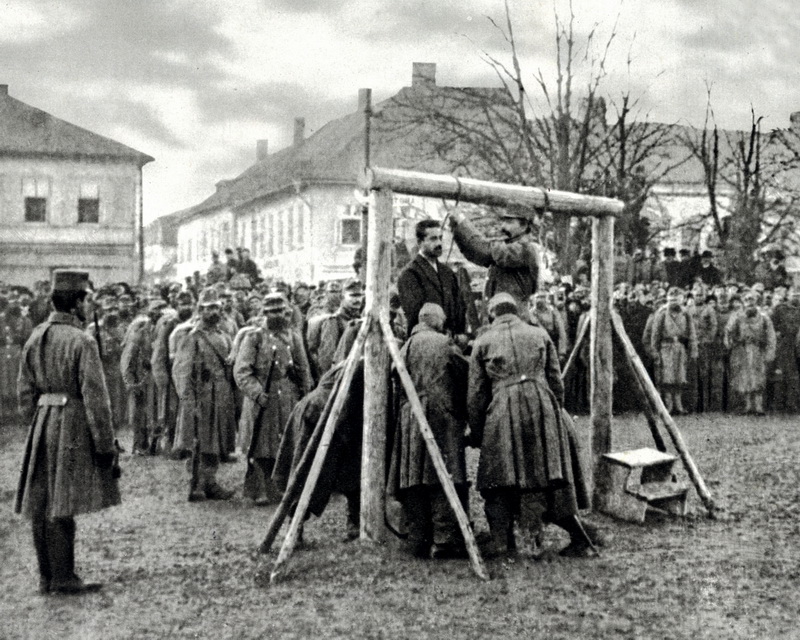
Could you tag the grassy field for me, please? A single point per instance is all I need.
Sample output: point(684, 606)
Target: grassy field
point(179, 570)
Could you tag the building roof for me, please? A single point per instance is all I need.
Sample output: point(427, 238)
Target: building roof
point(27, 131)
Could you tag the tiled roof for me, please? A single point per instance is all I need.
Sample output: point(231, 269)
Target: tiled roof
point(26, 130)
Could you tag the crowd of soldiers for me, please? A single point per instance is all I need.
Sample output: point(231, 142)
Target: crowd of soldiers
point(229, 364)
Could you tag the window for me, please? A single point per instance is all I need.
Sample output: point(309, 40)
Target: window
point(299, 233)
point(89, 203)
point(36, 192)
point(289, 226)
point(350, 230)
point(270, 235)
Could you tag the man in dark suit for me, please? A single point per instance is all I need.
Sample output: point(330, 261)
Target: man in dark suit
point(426, 279)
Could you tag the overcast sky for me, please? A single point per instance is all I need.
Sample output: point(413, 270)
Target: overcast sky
point(194, 83)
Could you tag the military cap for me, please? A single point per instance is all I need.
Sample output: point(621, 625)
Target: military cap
point(674, 291)
point(431, 310)
point(501, 298)
point(126, 298)
point(109, 302)
point(66, 280)
point(208, 297)
point(354, 286)
point(334, 286)
point(185, 297)
point(518, 211)
point(707, 254)
point(758, 287)
point(274, 302)
point(669, 251)
point(156, 304)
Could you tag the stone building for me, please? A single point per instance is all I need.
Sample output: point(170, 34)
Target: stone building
point(68, 198)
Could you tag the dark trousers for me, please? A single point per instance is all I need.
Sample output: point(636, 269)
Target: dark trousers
point(430, 517)
point(53, 538)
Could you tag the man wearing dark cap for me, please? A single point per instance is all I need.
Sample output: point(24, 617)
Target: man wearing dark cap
point(707, 272)
point(216, 271)
point(332, 327)
point(272, 371)
point(208, 421)
point(110, 334)
point(426, 279)
point(513, 263)
point(670, 268)
point(69, 463)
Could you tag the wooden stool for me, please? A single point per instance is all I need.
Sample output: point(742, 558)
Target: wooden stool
point(631, 482)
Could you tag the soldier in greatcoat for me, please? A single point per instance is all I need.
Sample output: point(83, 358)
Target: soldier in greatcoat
point(205, 389)
point(272, 371)
point(547, 317)
point(69, 463)
point(332, 327)
point(529, 467)
point(750, 339)
point(137, 374)
point(786, 322)
point(109, 334)
point(15, 329)
point(710, 361)
point(673, 341)
point(439, 373)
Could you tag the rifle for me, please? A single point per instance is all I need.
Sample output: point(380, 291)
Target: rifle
point(251, 484)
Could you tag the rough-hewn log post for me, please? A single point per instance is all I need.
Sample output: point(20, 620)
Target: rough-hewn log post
point(376, 368)
point(601, 369)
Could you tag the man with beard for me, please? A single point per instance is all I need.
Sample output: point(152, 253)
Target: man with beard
point(513, 263)
point(204, 387)
point(69, 463)
point(272, 371)
point(167, 397)
point(543, 314)
point(529, 468)
point(126, 311)
point(110, 335)
point(333, 326)
point(750, 339)
point(673, 342)
point(439, 373)
point(426, 279)
point(137, 374)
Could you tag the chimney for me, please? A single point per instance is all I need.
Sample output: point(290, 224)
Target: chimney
point(3, 89)
point(262, 150)
point(423, 74)
point(299, 131)
point(795, 120)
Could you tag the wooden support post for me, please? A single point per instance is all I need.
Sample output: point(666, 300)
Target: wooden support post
point(365, 106)
point(575, 349)
point(433, 450)
point(376, 368)
point(675, 435)
point(602, 366)
point(631, 355)
point(321, 453)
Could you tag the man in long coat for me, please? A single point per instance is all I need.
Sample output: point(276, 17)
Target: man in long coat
point(673, 341)
point(786, 322)
point(426, 279)
point(439, 373)
point(272, 371)
point(710, 361)
point(750, 339)
point(69, 463)
point(332, 327)
point(513, 263)
point(529, 467)
point(205, 389)
point(109, 334)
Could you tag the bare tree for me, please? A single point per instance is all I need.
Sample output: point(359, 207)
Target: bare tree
point(563, 139)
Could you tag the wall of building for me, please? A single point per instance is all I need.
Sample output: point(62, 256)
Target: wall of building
point(29, 251)
point(199, 235)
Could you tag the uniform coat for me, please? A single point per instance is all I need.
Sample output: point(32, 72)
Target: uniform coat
point(136, 370)
point(206, 393)
point(513, 264)
point(289, 380)
point(673, 340)
point(439, 375)
point(514, 399)
point(419, 283)
point(751, 342)
point(161, 364)
point(110, 346)
point(59, 358)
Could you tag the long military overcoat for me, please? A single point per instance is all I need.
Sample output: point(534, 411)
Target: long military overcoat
point(751, 341)
point(62, 391)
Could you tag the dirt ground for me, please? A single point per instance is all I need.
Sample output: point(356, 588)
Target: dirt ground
point(178, 570)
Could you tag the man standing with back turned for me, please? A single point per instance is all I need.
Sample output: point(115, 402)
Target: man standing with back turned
point(69, 464)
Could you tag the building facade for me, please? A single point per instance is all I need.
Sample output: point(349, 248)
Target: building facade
point(68, 198)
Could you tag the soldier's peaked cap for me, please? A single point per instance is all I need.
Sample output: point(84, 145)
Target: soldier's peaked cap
point(65, 280)
point(274, 302)
point(355, 286)
point(185, 297)
point(208, 297)
point(501, 298)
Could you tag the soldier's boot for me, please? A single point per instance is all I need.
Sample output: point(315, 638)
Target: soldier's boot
point(748, 403)
point(678, 402)
point(61, 551)
point(580, 544)
point(501, 525)
point(209, 464)
point(42, 556)
point(758, 404)
point(667, 400)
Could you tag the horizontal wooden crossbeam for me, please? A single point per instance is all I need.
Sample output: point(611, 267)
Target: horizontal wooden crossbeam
point(490, 193)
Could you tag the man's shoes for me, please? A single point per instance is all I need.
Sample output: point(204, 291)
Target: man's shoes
point(229, 458)
point(353, 532)
point(197, 495)
point(44, 585)
point(262, 501)
point(179, 454)
point(75, 586)
point(216, 492)
point(578, 549)
point(452, 551)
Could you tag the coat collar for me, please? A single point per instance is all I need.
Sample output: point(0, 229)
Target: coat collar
point(422, 328)
point(425, 267)
point(59, 317)
point(506, 318)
